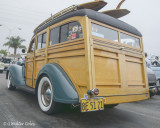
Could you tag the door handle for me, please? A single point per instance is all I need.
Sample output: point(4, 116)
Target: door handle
point(121, 48)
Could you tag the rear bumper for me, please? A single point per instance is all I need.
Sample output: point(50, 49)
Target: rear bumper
point(117, 99)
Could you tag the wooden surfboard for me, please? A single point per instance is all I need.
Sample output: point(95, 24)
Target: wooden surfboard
point(117, 13)
point(95, 5)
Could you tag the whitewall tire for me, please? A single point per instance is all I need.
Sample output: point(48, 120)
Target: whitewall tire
point(9, 83)
point(45, 97)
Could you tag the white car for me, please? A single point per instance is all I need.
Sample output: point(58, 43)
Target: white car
point(1, 67)
point(7, 62)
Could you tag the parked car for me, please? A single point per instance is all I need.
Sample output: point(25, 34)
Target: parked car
point(1, 67)
point(7, 62)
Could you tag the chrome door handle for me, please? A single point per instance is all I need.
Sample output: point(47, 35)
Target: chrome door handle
point(121, 48)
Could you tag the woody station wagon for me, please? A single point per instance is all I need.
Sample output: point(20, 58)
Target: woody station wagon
point(80, 56)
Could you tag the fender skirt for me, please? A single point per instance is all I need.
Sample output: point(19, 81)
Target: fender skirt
point(63, 89)
point(17, 78)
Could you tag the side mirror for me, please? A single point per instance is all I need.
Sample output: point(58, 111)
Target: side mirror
point(23, 50)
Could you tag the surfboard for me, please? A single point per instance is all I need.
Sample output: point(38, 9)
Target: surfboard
point(117, 13)
point(94, 5)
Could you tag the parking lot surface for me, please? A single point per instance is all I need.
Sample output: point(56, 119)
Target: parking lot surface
point(19, 109)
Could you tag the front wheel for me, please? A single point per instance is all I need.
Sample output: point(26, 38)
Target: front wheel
point(45, 97)
point(9, 83)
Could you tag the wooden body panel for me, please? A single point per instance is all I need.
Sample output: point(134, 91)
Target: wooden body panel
point(118, 71)
point(29, 69)
point(93, 62)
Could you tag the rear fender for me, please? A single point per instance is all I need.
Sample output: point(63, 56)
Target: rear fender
point(63, 89)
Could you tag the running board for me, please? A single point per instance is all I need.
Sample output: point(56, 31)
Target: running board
point(27, 89)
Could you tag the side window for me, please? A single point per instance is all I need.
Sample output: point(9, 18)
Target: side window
point(31, 49)
point(64, 33)
point(44, 40)
point(54, 36)
point(75, 31)
point(70, 31)
point(41, 43)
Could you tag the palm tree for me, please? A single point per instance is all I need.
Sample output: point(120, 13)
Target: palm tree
point(15, 43)
point(4, 52)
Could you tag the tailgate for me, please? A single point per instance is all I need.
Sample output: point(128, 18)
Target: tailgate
point(119, 72)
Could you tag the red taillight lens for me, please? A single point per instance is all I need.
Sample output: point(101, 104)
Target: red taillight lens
point(95, 91)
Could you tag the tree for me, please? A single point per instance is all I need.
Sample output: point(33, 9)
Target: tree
point(4, 52)
point(15, 43)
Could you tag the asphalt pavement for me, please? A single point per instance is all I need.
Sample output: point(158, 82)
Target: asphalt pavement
point(19, 109)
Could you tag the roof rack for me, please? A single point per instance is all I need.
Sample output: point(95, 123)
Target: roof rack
point(57, 15)
point(94, 5)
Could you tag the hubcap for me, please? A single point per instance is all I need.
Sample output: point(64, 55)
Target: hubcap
point(46, 94)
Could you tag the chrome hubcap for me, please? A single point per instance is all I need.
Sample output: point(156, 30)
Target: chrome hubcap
point(46, 94)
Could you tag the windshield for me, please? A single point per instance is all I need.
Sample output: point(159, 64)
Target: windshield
point(6, 60)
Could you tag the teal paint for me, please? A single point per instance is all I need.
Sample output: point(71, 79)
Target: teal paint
point(17, 77)
point(63, 89)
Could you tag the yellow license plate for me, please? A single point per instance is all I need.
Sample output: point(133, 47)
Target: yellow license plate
point(94, 104)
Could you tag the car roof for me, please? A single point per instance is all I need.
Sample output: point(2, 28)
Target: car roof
point(97, 16)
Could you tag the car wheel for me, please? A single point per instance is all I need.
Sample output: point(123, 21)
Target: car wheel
point(45, 97)
point(1, 71)
point(9, 83)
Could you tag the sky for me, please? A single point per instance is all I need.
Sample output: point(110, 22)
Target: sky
point(28, 14)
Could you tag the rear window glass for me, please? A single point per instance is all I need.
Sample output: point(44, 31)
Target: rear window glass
point(129, 40)
point(104, 32)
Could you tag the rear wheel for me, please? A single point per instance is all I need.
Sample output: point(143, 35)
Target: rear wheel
point(9, 83)
point(45, 97)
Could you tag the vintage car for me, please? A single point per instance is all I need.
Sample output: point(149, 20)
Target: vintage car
point(1, 67)
point(83, 57)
